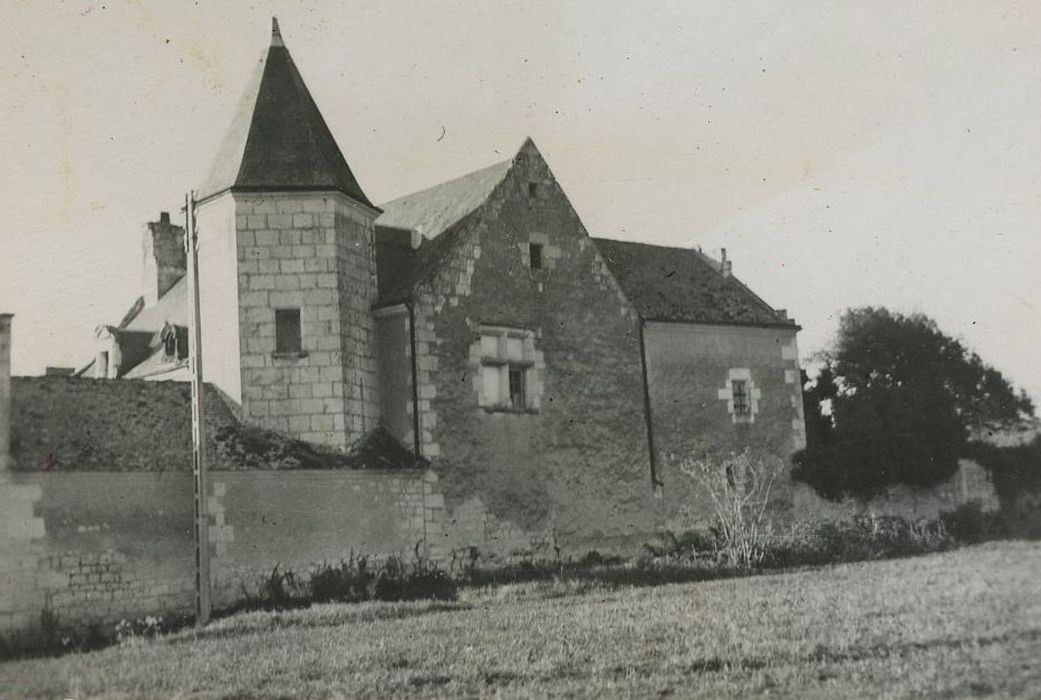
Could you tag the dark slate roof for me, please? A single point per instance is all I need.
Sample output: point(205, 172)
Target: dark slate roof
point(278, 139)
point(681, 284)
point(74, 424)
point(434, 210)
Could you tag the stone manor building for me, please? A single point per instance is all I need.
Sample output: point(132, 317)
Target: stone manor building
point(558, 378)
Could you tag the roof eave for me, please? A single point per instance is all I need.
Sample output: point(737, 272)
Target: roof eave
point(791, 326)
point(272, 189)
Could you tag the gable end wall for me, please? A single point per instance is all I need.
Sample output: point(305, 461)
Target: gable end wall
point(576, 472)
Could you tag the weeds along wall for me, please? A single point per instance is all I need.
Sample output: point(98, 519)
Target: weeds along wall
point(99, 547)
point(970, 483)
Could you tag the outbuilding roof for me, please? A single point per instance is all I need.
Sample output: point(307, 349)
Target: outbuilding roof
point(683, 284)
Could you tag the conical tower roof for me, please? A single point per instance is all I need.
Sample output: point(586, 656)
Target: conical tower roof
point(278, 140)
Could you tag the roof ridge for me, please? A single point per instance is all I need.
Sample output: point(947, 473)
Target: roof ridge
point(649, 245)
point(450, 181)
point(701, 294)
point(436, 209)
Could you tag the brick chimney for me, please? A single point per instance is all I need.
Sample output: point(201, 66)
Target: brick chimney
point(5, 393)
point(164, 257)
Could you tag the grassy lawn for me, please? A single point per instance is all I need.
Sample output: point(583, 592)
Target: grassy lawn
point(963, 623)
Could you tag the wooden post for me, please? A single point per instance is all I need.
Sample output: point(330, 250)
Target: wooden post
point(202, 518)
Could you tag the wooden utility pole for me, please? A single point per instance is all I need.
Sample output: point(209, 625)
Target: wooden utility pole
point(202, 517)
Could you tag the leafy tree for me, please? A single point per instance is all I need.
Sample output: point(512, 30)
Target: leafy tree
point(903, 399)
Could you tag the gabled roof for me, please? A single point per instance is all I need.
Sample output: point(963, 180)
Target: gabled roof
point(681, 284)
point(434, 210)
point(434, 213)
point(134, 345)
point(278, 139)
point(172, 307)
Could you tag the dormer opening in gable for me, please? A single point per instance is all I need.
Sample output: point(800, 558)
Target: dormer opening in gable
point(175, 342)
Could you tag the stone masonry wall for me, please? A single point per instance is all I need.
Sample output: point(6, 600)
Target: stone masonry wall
point(969, 483)
point(164, 257)
point(394, 359)
point(96, 548)
point(315, 253)
point(573, 469)
point(689, 368)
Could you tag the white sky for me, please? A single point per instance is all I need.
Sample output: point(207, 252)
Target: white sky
point(844, 153)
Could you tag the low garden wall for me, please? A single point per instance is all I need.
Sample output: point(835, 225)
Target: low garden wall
point(970, 483)
point(98, 547)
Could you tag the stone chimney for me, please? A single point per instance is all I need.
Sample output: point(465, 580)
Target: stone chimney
point(5, 393)
point(725, 266)
point(164, 257)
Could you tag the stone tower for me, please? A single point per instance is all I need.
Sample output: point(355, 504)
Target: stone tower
point(287, 267)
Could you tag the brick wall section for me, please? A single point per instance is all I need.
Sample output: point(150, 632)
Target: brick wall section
point(314, 253)
point(576, 472)
point(106, 546)
point(688, 367)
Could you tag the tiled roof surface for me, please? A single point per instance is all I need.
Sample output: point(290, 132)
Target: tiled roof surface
point(681, 284)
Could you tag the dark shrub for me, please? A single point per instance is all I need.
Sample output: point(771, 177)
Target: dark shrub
point(1021, 518)
point(279, 591)
point(595, 558)
point(349, 582)
point(968, 523)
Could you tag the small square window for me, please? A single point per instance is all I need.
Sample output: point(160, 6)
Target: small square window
point(535, 255)
point(287, 331)
point(533, 190)
point(739, 388)
point(517, 401)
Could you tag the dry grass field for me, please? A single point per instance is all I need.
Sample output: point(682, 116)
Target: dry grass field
point(960, 624)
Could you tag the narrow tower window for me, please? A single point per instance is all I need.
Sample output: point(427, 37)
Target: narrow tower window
point(533, 190)
point(535, 255)
point(287, 331)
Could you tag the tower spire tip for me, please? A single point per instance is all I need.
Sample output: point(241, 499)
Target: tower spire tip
point(276, 35)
